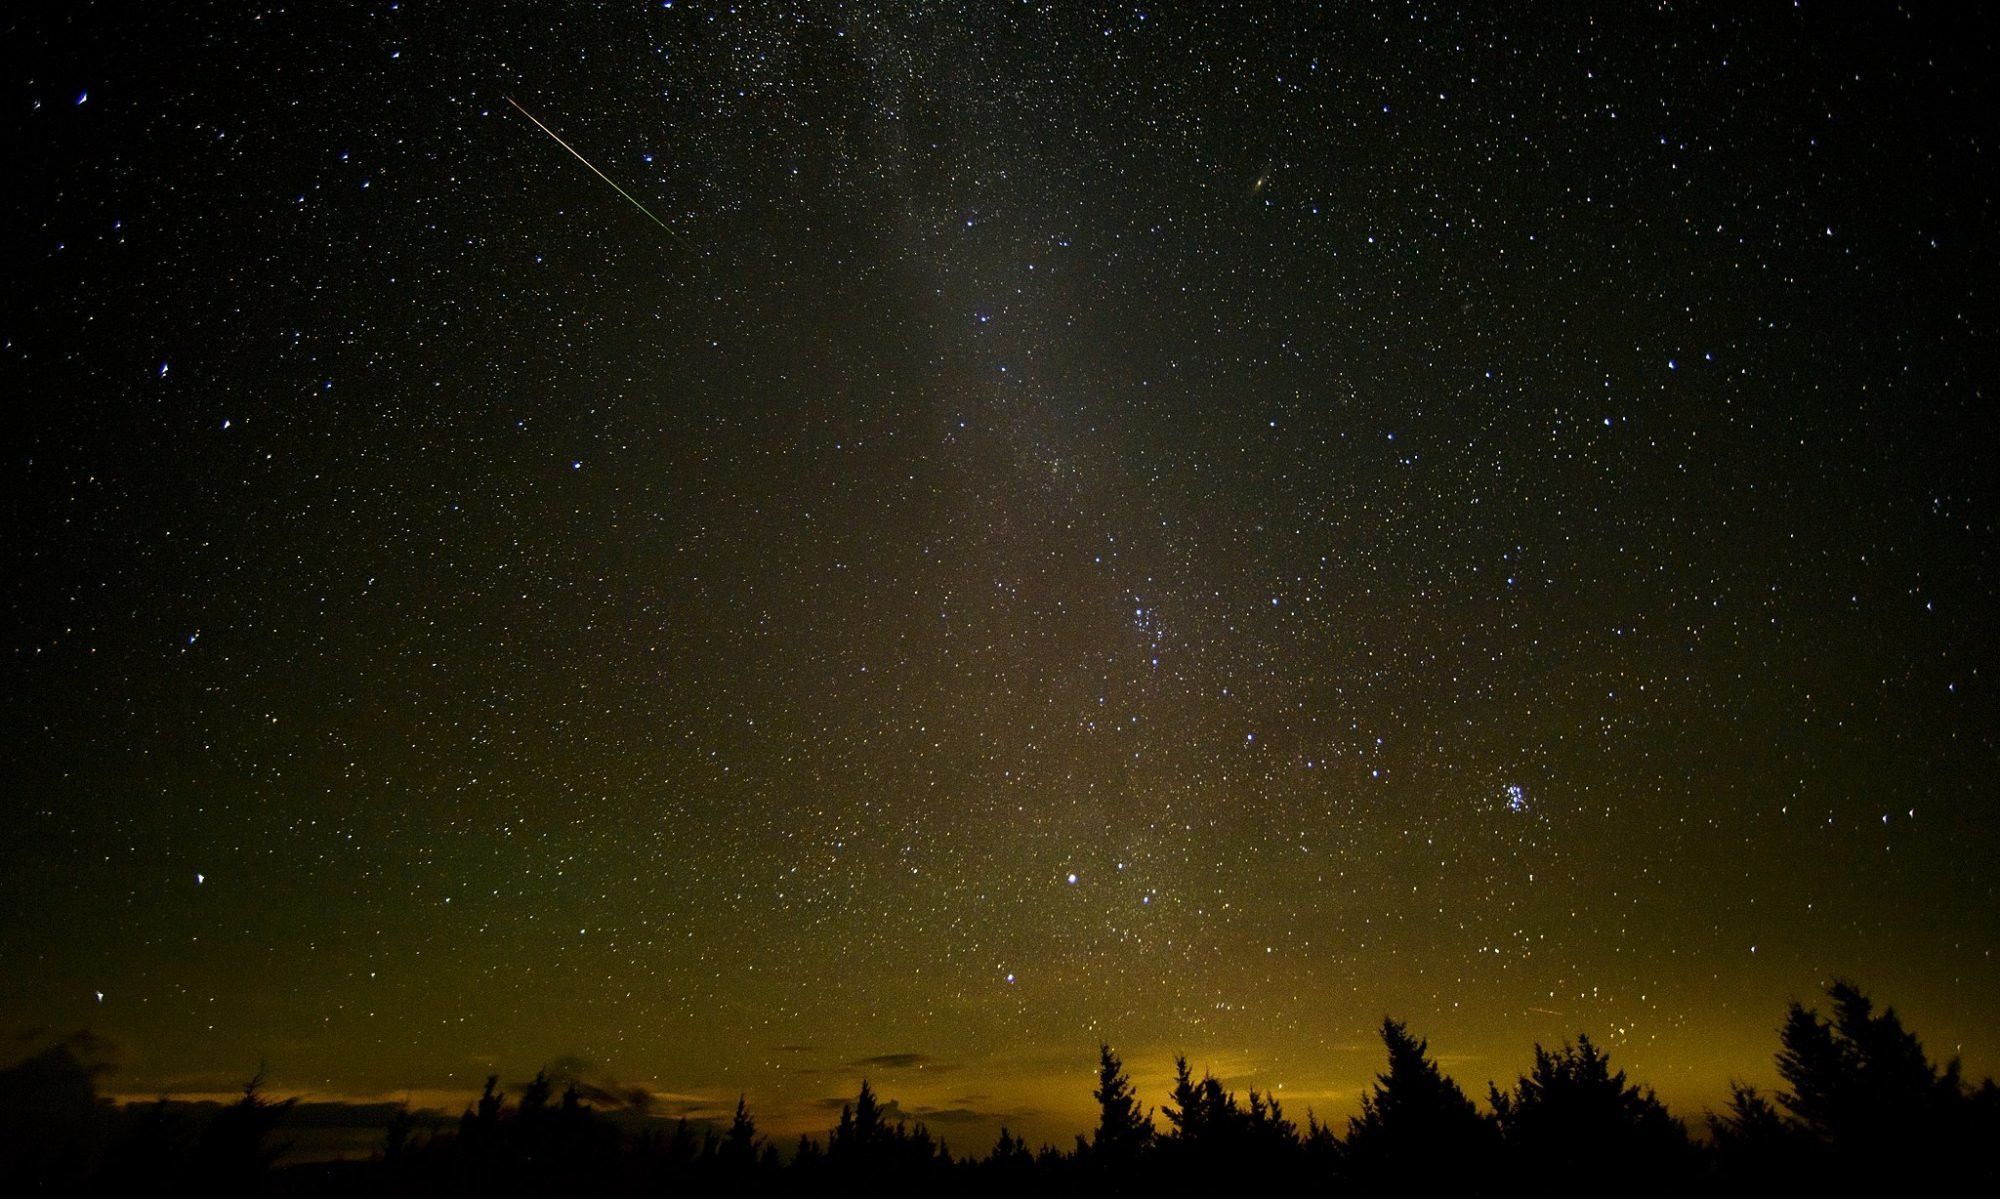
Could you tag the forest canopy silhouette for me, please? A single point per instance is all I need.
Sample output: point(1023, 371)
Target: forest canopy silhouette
point(1862, 1109)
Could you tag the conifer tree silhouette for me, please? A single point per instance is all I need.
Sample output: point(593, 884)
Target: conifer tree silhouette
point(1185, 1114)
point(480, 1125)
point(1755, 1147)
point(1321, 1149)
point(152, 1147)
point(1417, 1130)
point(681, 1149)
point(1862, 1109)
point(1212, 1138)
point(1572, 1118)
point(1270, 1133)
point(235, 1150)
point(862, 1135)
point(840, 1139)
point(1861, 1087)
point(740, 1143)
point(1749, 1119)
point(396, 1137)
point(1011, 1153)
point(869, 1129)
point(915, 1145)
point(1858, 1077)
point(534, 1103)
point(865, 1145)
point(1122, 1132)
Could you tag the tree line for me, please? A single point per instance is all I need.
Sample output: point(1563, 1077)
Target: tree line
point(1862, 1110)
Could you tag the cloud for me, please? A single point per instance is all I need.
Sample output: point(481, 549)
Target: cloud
point(694, 1107)
point(892, 1110)
point(59, 1082)
point(900, 1061)
point(964, 1115)
point(96, 1052)
point(894, 1061)
point(595, 1087)
point(961, 1112)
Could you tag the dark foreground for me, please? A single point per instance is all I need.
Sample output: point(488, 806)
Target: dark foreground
point(1864, 1112)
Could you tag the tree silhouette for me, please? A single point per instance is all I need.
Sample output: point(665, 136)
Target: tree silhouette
point(1863, 1109)
point(1186, 1111)
point(1416, 1129)
point(1749, 1120)
point(1971, 1135)
point(480, 1125)
point(1754, 1145)
point(681, 1149)
point(740, 1143)
point(51, 1115)
point(235, 1150)
point(535, 1096)
point(153, 1146)
point(1212, 1138)
point(396, 1137)
point(1859, 1077)
point(865, 1145)
point(1320, 1149)
point(1010, 1153)
point(1204, 1116)
point(862, 1132)
point(1572, 1119)
point(1270, 1132)
point(1122, 1132)
point(1862, 1088)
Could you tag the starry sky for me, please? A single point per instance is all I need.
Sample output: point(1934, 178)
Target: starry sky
point(1194, 526)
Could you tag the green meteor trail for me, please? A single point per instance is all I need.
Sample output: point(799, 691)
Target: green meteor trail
point(593, 169)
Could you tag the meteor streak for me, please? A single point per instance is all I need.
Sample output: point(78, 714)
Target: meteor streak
point(593, 170)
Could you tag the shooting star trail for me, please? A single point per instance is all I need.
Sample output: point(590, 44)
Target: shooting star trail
point(593, 170)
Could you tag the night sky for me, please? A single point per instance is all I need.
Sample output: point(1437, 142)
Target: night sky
point(1181, 526)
